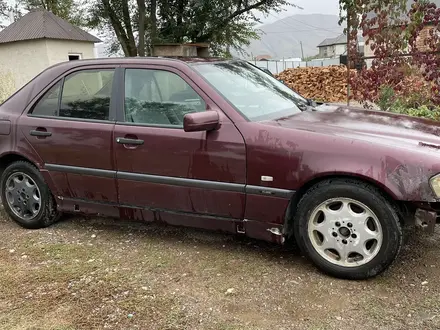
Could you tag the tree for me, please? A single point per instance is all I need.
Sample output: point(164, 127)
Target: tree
point(4, 10)
point(70, 10)
point(66, 9)
point(138, 24)
point(401, 59)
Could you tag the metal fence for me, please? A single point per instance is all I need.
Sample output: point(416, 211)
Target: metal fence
point(278, 66)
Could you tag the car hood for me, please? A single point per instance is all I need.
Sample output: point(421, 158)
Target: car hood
point(374, 126)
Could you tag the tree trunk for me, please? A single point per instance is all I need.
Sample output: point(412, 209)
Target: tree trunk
point(179, 20)
point(142, 13)
point(153, 24)
point(131, 46)
point(117, 27)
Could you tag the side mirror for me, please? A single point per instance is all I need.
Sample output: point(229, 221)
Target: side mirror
point(201, 121)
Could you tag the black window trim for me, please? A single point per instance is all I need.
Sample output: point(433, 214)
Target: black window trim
point(120, 115)
point(113, 96)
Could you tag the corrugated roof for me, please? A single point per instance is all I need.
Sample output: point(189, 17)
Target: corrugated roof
point(42, 24)
point(342, 39)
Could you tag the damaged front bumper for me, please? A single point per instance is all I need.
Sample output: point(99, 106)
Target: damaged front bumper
point(426, 220)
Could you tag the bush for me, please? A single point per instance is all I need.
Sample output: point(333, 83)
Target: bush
point(7, 86)
point(423, 111)
point(386, 97)
point(415, 104)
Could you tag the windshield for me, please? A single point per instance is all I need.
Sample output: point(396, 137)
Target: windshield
point(254, 93)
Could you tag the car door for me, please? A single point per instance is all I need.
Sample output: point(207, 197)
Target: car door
point(70, 127)
point(163, 168)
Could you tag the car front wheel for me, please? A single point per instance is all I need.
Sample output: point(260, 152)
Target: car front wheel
point(26, 197)
point(349, 229)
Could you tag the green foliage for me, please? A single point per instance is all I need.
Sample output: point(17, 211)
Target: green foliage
point(311, 58)
point(7, 86)
point(4, 10)
point(386, 97)
point(415, 106)
point(66, 9)
point(423, 111)
point(225, 24)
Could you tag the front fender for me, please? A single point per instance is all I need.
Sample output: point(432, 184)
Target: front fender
point(403, 179)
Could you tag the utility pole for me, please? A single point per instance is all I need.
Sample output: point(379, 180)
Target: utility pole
point(302, 50)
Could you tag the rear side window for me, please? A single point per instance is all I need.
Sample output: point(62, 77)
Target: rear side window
point(48, 104)
point(84, 95)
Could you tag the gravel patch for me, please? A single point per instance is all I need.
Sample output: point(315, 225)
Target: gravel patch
point(106, 274)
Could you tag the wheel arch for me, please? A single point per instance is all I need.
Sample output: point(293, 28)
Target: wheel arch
point(291, 208)
point(9, 158)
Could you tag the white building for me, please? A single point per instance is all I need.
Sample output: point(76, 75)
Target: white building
point(333, 47)
point(38, 40)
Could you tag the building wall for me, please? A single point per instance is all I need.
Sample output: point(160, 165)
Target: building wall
point(367, 53)
point(332, 51)
point(340, 49)
point(21, 61)
point(58, 50)
point(424, 34)
point(324, 51)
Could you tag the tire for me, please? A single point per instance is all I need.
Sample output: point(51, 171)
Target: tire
point(37, 193)
point(378, 237)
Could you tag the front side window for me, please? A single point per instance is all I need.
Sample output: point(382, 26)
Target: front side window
point(158, 97)
point(84, 95)
point(257, 95)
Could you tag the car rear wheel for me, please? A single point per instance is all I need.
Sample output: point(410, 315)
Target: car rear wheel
point(349, 229)
point(26, 197)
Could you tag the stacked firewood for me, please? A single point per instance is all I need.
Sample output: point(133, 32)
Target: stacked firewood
point(328, 84)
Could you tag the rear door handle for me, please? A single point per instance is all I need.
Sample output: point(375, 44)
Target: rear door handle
point(135, 142)
point(40, 133)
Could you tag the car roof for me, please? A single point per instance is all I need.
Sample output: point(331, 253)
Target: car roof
point(30, 90)
point(138, 60)
point(64, 66)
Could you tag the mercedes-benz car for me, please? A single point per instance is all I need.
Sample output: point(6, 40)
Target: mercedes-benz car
point(221, 145)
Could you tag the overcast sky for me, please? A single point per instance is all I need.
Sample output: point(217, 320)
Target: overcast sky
point(309, 7)
point(330, 7)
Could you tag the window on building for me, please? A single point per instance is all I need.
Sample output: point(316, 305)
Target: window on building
point(74, 57)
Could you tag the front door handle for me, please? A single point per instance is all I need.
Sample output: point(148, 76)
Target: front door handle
point(39, 133)
point(135, 142)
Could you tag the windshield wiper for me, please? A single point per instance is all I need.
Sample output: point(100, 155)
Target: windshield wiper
point(305, 107)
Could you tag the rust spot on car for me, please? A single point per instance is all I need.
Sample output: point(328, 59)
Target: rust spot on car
point(411, 181)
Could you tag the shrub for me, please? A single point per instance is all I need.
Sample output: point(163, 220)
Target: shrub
point(415, 104)
point(423, 111)
point(7, 86)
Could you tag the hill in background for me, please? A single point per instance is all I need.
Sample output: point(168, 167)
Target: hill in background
point(282, 38)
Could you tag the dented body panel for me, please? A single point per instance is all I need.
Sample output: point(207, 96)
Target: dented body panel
point(241, 178)
point(378, 147)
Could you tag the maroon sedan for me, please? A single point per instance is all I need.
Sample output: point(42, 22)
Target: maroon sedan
point(219, 145)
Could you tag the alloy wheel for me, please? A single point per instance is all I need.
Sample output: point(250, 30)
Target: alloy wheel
point(345, 232)
point(23, 195)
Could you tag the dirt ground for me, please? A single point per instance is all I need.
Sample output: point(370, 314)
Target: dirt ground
point(107, 274)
